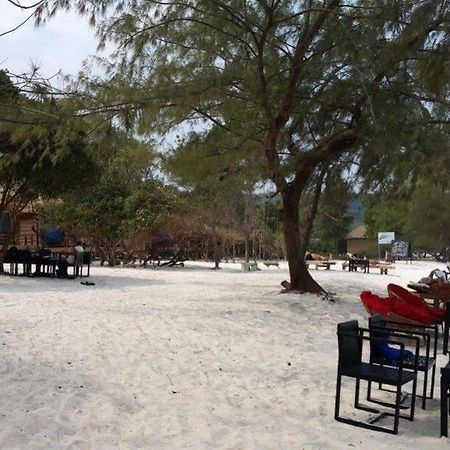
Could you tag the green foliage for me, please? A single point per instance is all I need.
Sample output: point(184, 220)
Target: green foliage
point(333, 222)
point(121, 203)
point(8, 92)
point(378, 68)
point(271, 101)
point(422, 217)
point(388, 214)
point(39, 162)
point(207, 163)
point(429, 220)
point(150, 205)
point(205, 166)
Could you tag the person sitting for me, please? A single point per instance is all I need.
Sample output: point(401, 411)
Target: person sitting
point(309, 256)
point(435, 276)
point(42, 256)
point(65, 261)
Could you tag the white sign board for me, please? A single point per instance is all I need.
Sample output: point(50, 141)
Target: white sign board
point(386, 237)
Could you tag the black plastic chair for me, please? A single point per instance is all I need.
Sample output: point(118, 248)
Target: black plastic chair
point(77, 264)
point(14, 257)
point(378, 325)
point(87, 258)
point(445, 398)
point(446, 329)
point(350, 364)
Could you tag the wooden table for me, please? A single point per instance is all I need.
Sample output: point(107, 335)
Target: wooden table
point(384, 267)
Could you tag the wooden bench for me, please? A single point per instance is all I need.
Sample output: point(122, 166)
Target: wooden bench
point(249, 266)
point(384, 267)
point(317, 264)
point(271, 263)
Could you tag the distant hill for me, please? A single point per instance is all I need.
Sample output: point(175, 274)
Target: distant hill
point(356, 209)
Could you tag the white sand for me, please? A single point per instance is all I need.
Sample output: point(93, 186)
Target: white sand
point(185, 359)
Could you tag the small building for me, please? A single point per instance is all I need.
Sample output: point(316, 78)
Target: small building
point(23, 230)
point(359, 244)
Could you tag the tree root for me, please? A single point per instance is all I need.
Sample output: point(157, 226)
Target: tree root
point(288, 289)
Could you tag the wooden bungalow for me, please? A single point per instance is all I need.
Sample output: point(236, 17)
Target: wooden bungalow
point(23, 230)
point(359, 244)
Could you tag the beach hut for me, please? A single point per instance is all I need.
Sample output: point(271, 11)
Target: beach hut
point(359, 244)
point(23, 229)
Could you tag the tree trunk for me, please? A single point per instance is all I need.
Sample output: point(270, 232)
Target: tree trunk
point(306, 238)
point(226, 251)
point(217, 256)
point(254, 246)
point(246, 232)
point(3, 251)
point(300, 278)
point(246, 252)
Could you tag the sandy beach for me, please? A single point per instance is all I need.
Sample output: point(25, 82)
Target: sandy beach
point(185, 358)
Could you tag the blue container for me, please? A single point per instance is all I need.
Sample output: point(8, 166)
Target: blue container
point(53, 236)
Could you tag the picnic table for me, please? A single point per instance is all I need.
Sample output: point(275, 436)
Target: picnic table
point(383, 266)
point(353, 265)
point(45, 261)
point(269, 263)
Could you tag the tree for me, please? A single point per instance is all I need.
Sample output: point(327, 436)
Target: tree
point(121, 208)
point(37, 162)
point(300, 84)
point(333, 221)
point(199, 164)
point(421, 217)
point(429, 218)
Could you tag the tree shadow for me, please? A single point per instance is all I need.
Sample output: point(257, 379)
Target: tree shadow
point(22, 284)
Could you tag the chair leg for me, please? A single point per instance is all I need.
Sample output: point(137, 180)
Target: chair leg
point(433, 376)
point(365, 425)
point(338, 397)
point(413, 399)
point(445, 400)
point(357, 385)
point(369, 391)
point(397, 409)
point(425, 384)
point(446, 333)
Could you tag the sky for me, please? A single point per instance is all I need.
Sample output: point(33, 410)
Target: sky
point(61, 44)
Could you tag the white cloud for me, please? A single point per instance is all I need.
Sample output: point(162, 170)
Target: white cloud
point(61, 44)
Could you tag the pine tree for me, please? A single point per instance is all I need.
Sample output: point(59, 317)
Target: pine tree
point(298, 84)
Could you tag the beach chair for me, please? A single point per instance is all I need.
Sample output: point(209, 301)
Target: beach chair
point(400, 293)
point(268, 263)
point(87, 259)
point(379, 326)
point(398, 310)
point(350, 364)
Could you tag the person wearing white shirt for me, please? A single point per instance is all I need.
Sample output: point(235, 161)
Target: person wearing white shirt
point(70, 259)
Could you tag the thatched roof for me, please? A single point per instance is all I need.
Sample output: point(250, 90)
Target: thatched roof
point(358, 233)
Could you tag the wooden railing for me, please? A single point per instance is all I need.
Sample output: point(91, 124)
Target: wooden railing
point(33, 240)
